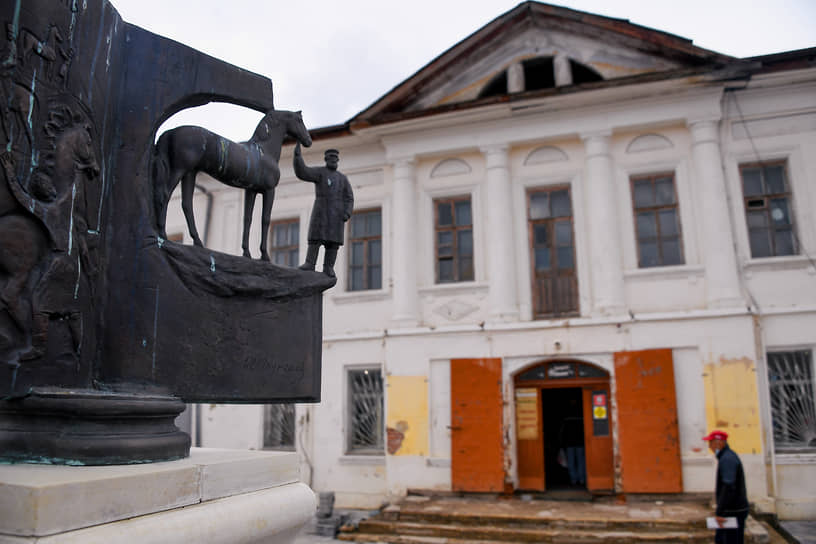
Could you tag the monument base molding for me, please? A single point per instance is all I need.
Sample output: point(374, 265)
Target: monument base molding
point(212, 497)
point(90, 427)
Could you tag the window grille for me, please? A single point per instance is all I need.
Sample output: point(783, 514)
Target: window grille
point(279, 427)
point(366, 412)
point(284, 242)
point(793, 406)
point(365, 250)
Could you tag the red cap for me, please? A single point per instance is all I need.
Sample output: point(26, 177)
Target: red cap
point(716, 435)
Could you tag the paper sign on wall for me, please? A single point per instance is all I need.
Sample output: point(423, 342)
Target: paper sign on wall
point(527, 414)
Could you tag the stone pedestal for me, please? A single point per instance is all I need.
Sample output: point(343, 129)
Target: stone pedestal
point(214, 496)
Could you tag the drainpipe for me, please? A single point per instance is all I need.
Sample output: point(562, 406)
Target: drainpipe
point(205, 239)
point(753, 308)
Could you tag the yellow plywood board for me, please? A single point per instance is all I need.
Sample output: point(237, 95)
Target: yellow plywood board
point(732, 402)
point(407, 417)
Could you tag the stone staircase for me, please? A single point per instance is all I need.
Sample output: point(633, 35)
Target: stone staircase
point(448, 520)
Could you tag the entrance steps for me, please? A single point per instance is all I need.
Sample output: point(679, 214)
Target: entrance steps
point(507, 520)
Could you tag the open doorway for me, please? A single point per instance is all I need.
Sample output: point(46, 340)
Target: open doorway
point(563, 428)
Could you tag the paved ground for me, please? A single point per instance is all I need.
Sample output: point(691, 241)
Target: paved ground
point(803, 531)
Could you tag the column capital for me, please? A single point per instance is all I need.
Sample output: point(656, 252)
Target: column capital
point(496, 155)
point(704, 130)
point(597, 143)
point(404, 167)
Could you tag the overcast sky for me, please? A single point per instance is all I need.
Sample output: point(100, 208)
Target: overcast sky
point(332, 58)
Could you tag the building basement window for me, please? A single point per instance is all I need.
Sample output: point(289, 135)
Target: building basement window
point(279, 427)
point(793, 405)
point(366, 412)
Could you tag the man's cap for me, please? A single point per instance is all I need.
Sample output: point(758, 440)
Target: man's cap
point(716, 435)
point(331, 152)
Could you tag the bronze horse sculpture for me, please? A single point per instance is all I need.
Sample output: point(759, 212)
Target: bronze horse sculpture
point(253, 166)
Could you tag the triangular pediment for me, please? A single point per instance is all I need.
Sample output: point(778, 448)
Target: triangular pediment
point(535, 47)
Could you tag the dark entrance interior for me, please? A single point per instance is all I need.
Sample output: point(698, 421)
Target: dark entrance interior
point(562, 410)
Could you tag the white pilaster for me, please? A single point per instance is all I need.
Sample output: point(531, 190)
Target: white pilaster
point(501, 258)
point(562, 71)
point(515, 78)
point(606, 265)
point(404, 244)
point(722, 283)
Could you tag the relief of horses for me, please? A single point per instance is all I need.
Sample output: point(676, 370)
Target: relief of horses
point(182, 152)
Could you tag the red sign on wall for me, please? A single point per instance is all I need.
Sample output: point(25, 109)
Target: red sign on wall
point(599, 399)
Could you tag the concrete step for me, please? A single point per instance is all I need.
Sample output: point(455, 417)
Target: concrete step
point(389, 531)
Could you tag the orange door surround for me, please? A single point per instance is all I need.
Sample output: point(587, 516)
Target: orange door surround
point(600, 469)
point(648, 439)
point(477, 458)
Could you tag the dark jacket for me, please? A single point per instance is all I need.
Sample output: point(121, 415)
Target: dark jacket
point(731, 496)
point(333, 204)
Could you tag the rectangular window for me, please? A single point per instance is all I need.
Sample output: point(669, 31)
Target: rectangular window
point(552, 252)
point(793, 405)
point(365, 250)
point(657, 221)
point(284, 242)
point(454, 240)
point(768, 212)
point(366, 413)
point(279, 427)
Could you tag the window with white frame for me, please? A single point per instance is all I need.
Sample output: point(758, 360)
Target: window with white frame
point(279, 427)
point(793, 405)
point(366, 412)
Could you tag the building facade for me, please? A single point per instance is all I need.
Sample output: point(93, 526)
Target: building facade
point(565, 219)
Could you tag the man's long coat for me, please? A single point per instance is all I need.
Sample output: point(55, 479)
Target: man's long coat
point(334, 202)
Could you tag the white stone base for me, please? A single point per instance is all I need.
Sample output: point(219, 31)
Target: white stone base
point(214, 496)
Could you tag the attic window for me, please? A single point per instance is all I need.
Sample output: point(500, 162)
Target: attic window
point(538, 74)
point(582, 73)
point(496, 86)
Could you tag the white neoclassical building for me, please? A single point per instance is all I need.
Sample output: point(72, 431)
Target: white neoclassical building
point(563, 219)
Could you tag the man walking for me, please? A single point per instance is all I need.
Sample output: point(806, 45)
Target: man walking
point(333, 205)
point(732, 500)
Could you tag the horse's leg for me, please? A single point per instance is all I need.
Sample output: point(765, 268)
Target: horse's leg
point(268, 199)
point(249, 205)
point(187, 188)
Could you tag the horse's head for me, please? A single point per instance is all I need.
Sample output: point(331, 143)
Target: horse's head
point(297, 129)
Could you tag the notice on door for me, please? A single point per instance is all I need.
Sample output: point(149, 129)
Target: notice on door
point(527, 414)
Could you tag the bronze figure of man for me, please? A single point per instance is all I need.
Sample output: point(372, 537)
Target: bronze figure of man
point(334, 202)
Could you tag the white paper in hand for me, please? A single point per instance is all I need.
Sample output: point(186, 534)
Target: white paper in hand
point(730, 523)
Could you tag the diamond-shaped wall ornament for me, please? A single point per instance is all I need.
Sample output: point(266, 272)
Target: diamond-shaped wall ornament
point(455, 310)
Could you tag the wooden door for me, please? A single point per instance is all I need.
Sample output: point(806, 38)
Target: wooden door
point(648, 440)
point(600, 469)
point(529, 442)
point(477, 460)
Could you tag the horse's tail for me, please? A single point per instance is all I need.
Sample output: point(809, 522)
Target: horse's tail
point(161, 176)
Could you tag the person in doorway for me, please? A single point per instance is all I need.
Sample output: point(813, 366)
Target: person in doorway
point(334, 202)
point(572, 440)
point(732, 500)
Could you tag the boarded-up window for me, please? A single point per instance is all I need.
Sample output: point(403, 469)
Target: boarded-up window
point(454, 240)
point(284, 242)
point(768, 210)
point(657, 221)
point(552, 252)
point(365, 250)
